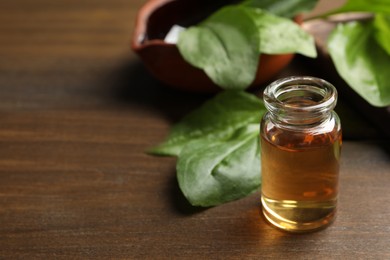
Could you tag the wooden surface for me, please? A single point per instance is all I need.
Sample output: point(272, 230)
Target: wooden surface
point(77, 112)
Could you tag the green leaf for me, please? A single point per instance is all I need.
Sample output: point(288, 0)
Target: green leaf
point(375, 6)
point(212, 173)
point(216, 120)
point(382, 31)
point(285, 8)
point(218, 149)
point(227, 45)
point(361, 62)
point(224, 46)
point(281, 35)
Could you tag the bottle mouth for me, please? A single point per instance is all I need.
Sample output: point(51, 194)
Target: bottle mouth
point(302, 97)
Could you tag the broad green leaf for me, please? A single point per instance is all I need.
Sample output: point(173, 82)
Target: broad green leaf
point(285, 8)
point(281, 35)
point(224, 46)
point(212, 173)
point(375, 6)
point(216, 120)
point(382, 31)
point(361, 62)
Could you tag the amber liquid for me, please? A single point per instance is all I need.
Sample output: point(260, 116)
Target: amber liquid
point(300, 178)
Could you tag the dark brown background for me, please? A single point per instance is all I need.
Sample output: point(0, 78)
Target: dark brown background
point(78, 110)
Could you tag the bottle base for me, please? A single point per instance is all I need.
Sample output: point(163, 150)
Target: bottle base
point(299, 216)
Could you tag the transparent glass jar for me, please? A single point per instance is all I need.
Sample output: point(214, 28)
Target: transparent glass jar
point(300, 153)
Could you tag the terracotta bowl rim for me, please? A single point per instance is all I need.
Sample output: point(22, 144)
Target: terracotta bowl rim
point(140, 30)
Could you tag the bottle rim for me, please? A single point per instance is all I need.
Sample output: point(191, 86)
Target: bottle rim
point(275, 93)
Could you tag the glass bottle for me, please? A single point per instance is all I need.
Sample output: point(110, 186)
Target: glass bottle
point(300, 153)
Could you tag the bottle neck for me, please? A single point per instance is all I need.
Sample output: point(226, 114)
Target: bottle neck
point(299, 119)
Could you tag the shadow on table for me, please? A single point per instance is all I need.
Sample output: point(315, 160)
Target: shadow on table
point(132, 84)
point(179, 203)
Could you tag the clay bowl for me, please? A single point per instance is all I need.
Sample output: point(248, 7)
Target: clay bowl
point(164, 61)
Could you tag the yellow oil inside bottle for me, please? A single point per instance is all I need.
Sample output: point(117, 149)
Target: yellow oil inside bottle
point(300, 179)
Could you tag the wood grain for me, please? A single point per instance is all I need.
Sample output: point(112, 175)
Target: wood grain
point(77, 112)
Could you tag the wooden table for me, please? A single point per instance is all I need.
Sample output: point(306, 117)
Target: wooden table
point(77, 112)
